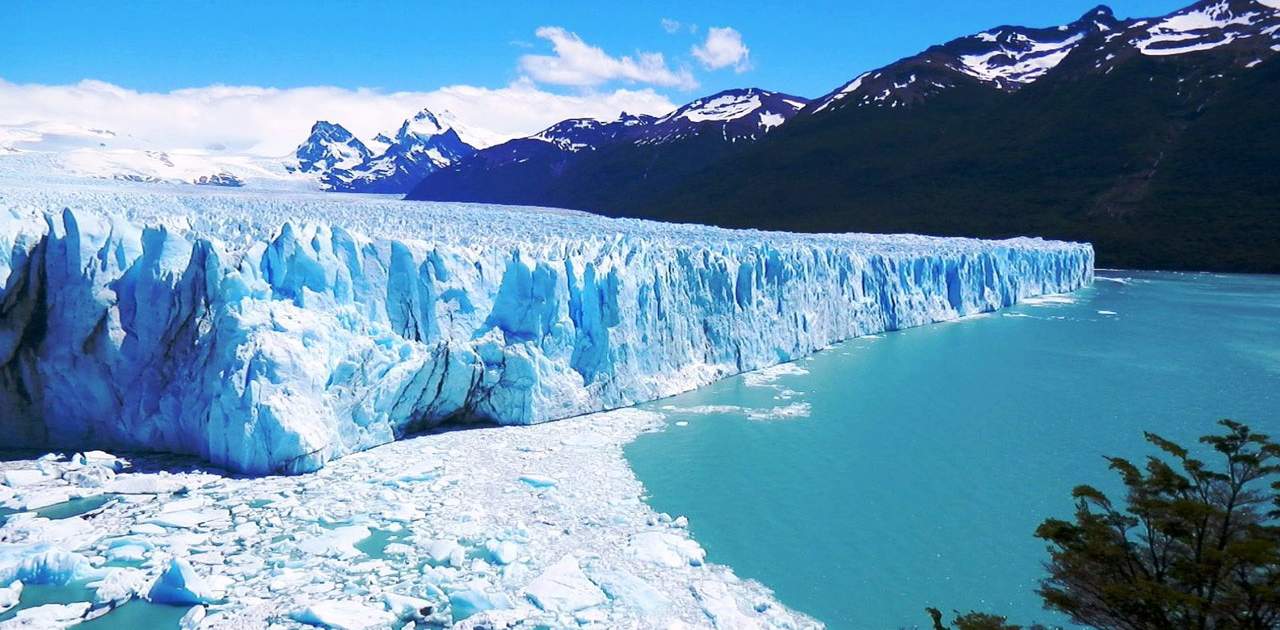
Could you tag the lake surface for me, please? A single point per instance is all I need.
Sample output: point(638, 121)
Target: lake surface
point(908, 470)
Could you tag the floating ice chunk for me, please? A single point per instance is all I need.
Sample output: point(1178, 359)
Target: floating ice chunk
point(100, 458)
point(49, 616)
point(24, 477)
point(682, 423)
point(794, 410)
point(405, 607)
point(192, 619)
point(148, 529)
point(145, 484)
point(1045, 300)
point(667, 549)
point(89, 476)
point(445, 552)
point(538, 481)
point(10, 595)
point(184, 505)
point(37, 499)
point(128, 552)
point(563, 587)
point(119, 584)
point(502, 552)
point(703, 410)
point(402, 514)
point(1107, 313)
point(468, 602)
point(180, 585)
point(632, 591)
point(43, 564)
point(721, 606)
point(344, 615)
point(337, 542)
point(188, 519)
point(770, 374)
point(422, 471)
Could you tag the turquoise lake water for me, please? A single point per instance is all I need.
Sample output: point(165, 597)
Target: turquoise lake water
point(925, 458)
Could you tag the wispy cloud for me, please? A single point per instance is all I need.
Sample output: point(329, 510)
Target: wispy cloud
point(675, 26)
point(577, 63)
point(270, 121)
point(723, 48)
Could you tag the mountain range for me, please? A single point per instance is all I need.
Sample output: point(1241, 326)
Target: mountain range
point(422, 145)
point(1152, 138)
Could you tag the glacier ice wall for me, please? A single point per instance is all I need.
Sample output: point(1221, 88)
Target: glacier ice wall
point(272, 333)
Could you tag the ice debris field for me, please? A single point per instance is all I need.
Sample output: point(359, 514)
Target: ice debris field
point(274, 333)
point(494, 528)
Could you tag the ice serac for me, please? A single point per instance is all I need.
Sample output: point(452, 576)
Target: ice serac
point(273, 333)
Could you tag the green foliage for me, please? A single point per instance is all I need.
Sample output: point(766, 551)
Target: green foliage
point(975, 621)
point(1195, 546)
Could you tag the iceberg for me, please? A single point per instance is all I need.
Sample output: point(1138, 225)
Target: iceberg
point(272, 333)
point(180, 585)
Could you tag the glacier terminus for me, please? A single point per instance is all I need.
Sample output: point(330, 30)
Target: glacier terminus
point(274, 333)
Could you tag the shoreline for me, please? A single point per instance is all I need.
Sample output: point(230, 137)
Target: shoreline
point(545, 524)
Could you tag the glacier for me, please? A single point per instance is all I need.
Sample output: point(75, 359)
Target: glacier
point(274, 332)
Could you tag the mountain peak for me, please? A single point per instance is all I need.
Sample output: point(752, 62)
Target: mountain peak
point(733, 104)
point(1100, 11)
point(423, 123)
point(328, 146)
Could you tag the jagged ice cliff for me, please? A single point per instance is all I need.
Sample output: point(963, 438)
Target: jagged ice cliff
point(275, 332)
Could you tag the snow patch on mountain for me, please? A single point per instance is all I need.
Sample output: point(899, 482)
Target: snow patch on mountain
point(727, 107)
point(1024, 62)
point(1204, 26)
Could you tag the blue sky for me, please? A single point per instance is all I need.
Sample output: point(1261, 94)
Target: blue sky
point(806, 47)
point(253, 76)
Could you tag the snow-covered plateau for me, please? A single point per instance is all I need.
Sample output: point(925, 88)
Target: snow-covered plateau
point(274, 333)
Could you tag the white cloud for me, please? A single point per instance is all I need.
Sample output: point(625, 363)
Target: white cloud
point(580, 64)
point(271, 121)
point(722, 49)
point(675, 26)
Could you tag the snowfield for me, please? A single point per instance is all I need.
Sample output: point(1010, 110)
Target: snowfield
point(274, 333)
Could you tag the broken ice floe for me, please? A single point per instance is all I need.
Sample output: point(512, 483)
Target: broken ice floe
point(517, 526)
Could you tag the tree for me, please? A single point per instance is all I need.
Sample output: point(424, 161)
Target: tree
point(1194, 547)
point(975, 621)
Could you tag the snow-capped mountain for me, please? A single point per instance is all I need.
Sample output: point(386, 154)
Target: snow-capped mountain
point(329, 147)
point(731, 115)
point(1005, 58)
point(1009, 58)
point(422, 144)
point(573, 157)
point(1154, 139)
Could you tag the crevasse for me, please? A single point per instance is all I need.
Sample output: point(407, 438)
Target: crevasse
point(273, 333)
